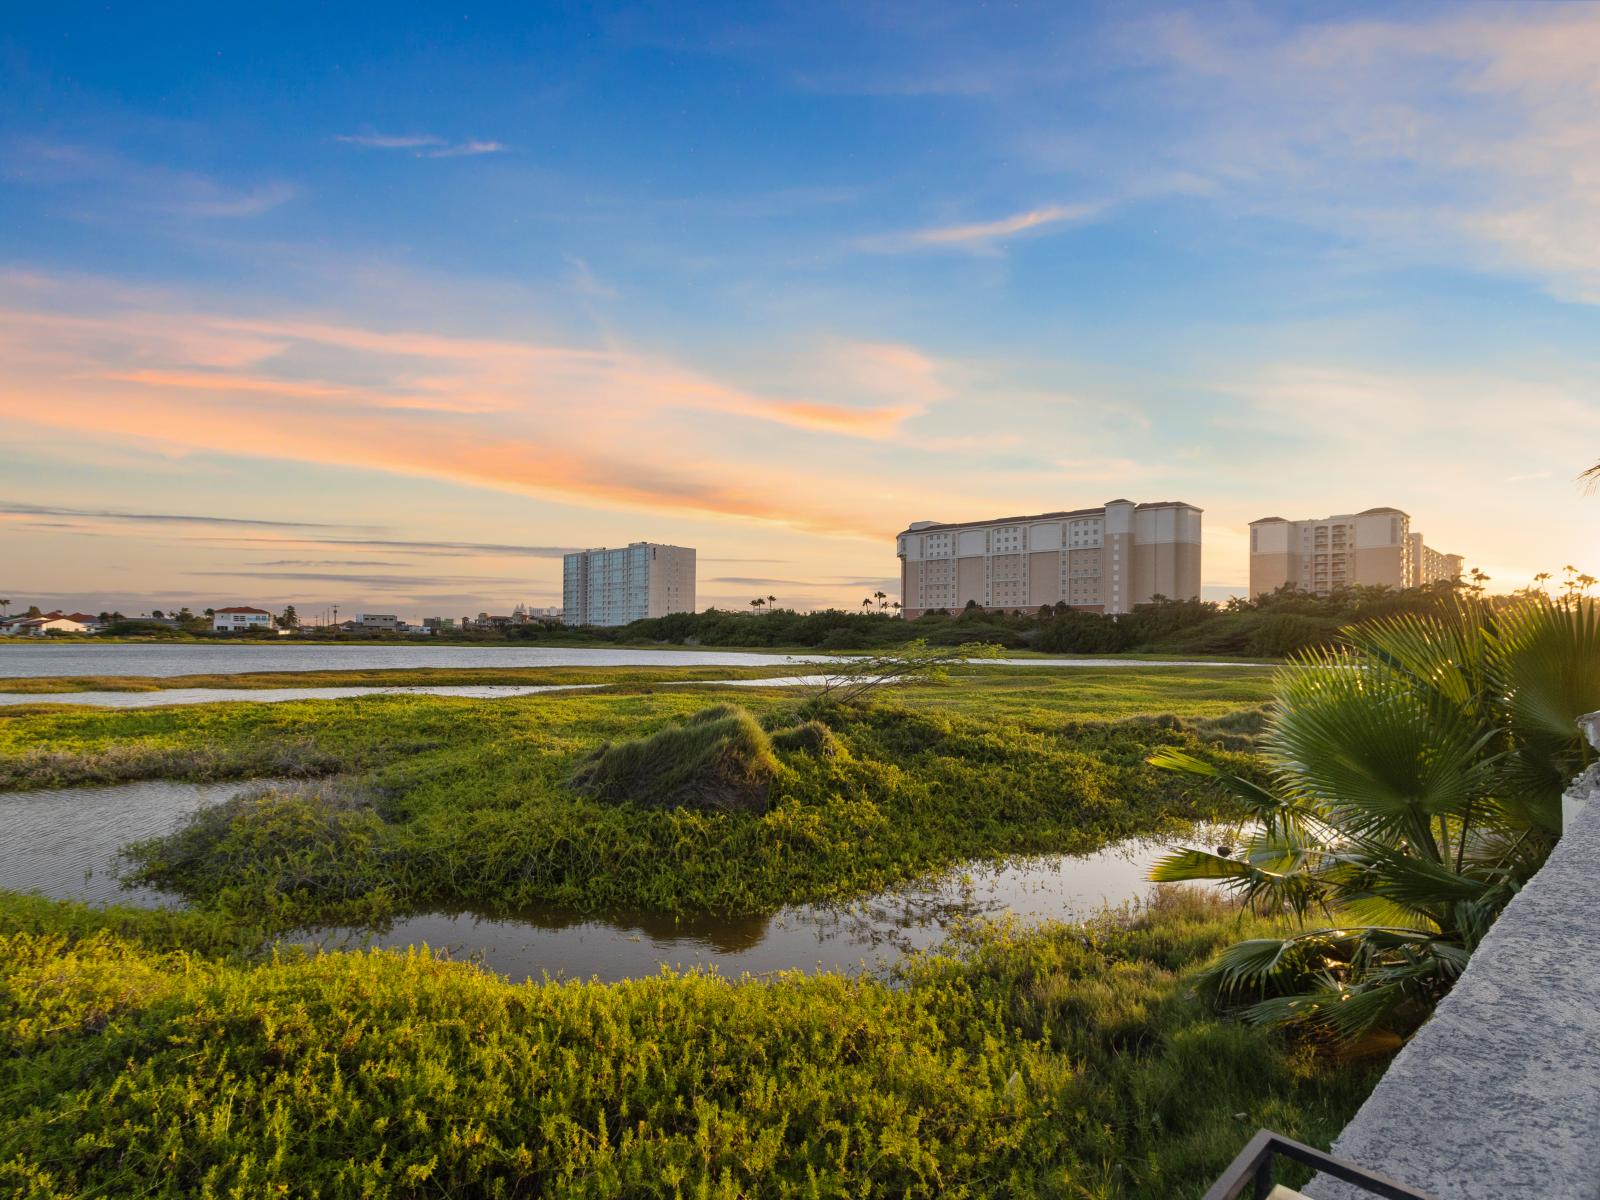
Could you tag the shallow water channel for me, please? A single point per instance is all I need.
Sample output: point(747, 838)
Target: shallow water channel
point(64, 843)
point(501, 691)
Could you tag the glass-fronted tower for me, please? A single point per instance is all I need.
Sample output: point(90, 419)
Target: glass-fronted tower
point(614, 587)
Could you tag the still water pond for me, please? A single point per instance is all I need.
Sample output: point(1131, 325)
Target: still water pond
point(41, 661)
point(64, 844)
point(33, 662)
point(171, 696)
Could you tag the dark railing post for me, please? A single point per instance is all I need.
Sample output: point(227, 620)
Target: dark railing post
point(1264, 1178)
point(1254, 1169)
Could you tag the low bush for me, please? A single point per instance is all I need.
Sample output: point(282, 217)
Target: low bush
point(719, 760)
point(1068, 1061)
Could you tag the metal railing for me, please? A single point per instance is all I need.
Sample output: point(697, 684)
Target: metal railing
point(1254, 1169)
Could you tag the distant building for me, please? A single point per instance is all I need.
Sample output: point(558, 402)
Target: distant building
point(1371, 548)
point(614, 587)
point(389, 621)
point(50, 622)
point(240, 620)
point(1105, 559)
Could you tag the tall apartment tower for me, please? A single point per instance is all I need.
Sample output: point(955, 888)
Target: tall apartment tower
point(614, 587)
point(1370, 548)
point(1104, 559)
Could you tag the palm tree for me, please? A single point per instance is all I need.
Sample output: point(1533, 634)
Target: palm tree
point(757, 603)
point(867, 602)
point(772, 603)
point(896, 606)
point(882, 599)
point(1416, 785)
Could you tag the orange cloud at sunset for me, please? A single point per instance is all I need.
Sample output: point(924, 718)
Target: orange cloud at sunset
point(602, 427)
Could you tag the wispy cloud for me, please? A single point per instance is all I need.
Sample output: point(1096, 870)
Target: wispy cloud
point(485, 412)
point(1457, 133)
point(109, 184)
point(446, 549)
point(106, 514)
point(422, 145)
point(376, 581)
point(982, 235)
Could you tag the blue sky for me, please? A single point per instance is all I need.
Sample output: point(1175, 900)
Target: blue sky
point(441, 293)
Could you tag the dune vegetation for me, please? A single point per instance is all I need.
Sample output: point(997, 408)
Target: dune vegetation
point(1058, 1062)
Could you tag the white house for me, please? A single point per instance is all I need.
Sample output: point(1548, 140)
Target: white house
point(50, 622)
point(240, 620)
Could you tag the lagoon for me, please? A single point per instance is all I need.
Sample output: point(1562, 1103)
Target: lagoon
point(64, 843)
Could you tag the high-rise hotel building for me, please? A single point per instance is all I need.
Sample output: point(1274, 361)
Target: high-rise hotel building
point(1369, 548)
point(614, 587)
point(1104, 559)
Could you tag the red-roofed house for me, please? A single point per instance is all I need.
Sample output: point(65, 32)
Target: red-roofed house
point(50, 622)
point(240, 620)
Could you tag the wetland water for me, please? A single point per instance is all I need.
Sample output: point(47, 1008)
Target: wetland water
point(64, 844)
point(171, 696)
point(211, 658)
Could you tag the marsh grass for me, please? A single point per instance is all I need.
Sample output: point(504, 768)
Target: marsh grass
point(118, 762)
point(894, 793)
point(1066, 1061)
point(476, 810)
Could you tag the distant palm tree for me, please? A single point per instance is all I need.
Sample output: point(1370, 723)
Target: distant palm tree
point(757, 603)
point(867, 603)
point(772, 603)
point(883, 600)
point(896, 606)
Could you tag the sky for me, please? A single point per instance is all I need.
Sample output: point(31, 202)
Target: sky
point(386, 306)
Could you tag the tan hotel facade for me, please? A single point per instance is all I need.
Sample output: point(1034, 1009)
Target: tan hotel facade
point(1369, 548)
point(1105, 559)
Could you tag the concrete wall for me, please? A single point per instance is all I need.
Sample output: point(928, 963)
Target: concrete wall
point(1498, 1095)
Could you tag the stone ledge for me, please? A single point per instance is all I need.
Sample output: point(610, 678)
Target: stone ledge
point(1499, 1093)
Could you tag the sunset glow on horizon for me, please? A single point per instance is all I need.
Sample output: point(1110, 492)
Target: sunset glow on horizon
point(393, 318)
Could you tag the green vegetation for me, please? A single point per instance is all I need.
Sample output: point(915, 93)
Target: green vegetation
point(1266, 627)
point(1072, 1061)
point(496, 824)
point(1419, 780)
point(719, 760)
point(57, 744)
point(468, 803)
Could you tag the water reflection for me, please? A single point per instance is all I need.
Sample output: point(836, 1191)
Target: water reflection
point(64, 843)
point(869, 934)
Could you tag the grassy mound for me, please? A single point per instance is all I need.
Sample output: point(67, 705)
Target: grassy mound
point(813, 738)
point(719, 760)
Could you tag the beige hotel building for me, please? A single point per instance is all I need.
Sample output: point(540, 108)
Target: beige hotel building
point(1374, 547)
point(1104, 559)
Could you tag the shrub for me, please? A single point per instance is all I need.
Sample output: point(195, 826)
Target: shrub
point(719, 759)
point(813, 738)
point(1283, 634)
